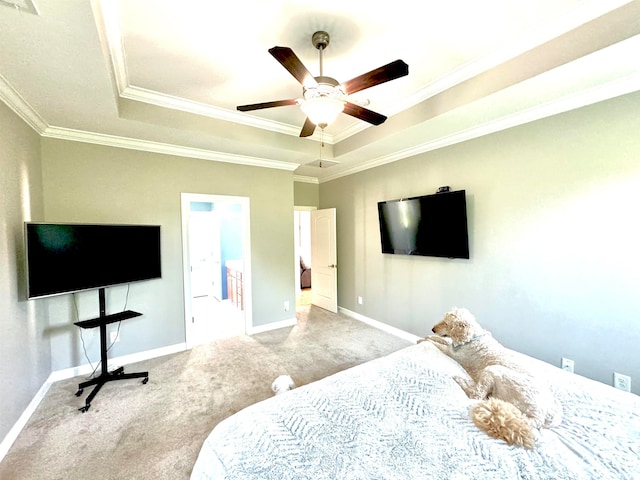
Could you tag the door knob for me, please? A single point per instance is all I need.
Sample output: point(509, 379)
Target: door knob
point(333, 266)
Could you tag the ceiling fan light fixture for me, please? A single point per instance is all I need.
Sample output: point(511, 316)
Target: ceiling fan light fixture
point(322, 110)
point(325, 98)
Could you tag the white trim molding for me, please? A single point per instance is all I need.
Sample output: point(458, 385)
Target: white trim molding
point(556, 106)
point(11, 437)
point(164, 148)
point(67, 373)
point(303, 179)
point(117, 361)
point(292, 322)
point(410, 337)
point(110, 34)
point(20, 106)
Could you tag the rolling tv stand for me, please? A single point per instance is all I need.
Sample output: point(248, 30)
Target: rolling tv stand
point(106, 376)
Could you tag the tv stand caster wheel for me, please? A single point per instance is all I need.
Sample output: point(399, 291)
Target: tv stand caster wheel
point(79, 392)
point(146, 379)
point(85, 408)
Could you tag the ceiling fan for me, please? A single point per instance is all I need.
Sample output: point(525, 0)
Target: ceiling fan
point(324, 97)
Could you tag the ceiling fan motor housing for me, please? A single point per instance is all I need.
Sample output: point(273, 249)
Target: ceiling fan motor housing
point(320, 40)
point(327, 87)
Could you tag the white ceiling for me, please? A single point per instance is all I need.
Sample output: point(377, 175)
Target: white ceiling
point(166, 76)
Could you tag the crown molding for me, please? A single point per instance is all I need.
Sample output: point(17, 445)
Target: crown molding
point(113, 39)
point(23, 6)
point(305, 179)
point(563, 24)
point(20, 106)
point(567, 103)
point(469, 70)
point(163, 148)
point(603, 92)
point(108, 29)
point(27, 113)
point(109, 32)
point(176, 103)
point(152, 97)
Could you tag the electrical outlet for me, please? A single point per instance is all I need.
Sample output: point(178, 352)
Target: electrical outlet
point(567, 364)
point(286, 305)
point(114, 337)
point(359, 300)
point(622, 382)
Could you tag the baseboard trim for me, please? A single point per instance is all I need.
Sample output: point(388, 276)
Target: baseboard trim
point(67, 373)
point(273, 326)
point(11, 437)
point(379, 325)
point(85, 369)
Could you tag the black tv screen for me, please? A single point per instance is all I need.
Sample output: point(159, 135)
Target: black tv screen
point(63, 257)
point(430, 225)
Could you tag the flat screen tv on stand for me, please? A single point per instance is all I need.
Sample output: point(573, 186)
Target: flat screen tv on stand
point(67, 258)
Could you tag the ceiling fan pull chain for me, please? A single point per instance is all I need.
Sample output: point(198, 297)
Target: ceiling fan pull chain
point(321, 146)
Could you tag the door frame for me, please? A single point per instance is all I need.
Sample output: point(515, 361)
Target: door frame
point(185, 201)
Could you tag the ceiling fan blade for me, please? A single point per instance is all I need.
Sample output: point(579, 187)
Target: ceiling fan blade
point(259, 106)
point(383, 74)
point(363, 113)
point(292, 63)
point(308, 128)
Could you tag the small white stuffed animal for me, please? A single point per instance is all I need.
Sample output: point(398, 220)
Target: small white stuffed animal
point(282, 384)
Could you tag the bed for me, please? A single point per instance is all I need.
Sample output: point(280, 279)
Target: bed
point(403, 417)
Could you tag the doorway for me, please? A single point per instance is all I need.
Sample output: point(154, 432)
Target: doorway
point(302, 255)
point(216, 263)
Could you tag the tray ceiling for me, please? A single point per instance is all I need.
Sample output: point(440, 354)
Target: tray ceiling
point(166, 76)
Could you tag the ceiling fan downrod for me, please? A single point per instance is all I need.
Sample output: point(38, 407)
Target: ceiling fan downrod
point(320, 40)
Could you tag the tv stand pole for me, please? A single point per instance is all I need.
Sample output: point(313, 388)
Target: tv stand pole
point(106, 376)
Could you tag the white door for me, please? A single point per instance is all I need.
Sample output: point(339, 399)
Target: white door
point(324, 268)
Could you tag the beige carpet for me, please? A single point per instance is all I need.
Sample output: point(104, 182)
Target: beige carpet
point(155, 431)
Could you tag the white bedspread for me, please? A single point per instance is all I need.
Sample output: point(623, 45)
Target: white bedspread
point(403, 417)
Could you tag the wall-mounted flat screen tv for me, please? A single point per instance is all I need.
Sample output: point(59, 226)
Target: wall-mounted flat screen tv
point(64, 257)
point(430, 225)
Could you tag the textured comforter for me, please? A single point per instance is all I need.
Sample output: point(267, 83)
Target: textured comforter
point(403, 417)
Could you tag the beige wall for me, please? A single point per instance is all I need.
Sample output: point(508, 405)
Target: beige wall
point(306, 194)
point(554, 239)
point(90, 183)
point(25, 360)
